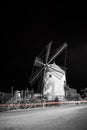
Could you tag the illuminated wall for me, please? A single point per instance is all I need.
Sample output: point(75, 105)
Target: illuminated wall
point(54, 86)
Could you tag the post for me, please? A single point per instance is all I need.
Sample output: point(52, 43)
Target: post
point(12, 93)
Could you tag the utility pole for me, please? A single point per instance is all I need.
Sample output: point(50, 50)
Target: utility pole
point(12, 93)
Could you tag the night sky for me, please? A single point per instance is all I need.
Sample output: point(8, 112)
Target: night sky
point(27, 28)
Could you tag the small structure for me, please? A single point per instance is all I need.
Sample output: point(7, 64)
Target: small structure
point(17, 95)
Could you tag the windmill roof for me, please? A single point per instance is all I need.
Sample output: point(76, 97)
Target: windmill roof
point(56, 70)
point(55, 66)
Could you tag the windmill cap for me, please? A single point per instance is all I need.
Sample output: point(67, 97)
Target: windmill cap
point(56, 67)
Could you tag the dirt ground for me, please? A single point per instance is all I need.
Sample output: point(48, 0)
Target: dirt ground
point(73, 117)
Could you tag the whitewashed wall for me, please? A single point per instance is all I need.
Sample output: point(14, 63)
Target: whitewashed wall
point(54, 86)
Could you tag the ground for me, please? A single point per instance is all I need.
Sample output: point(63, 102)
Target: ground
point(71, 117)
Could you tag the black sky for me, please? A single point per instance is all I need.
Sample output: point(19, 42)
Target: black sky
point(25, 31)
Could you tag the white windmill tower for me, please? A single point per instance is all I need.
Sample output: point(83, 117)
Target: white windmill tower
point(54, 77)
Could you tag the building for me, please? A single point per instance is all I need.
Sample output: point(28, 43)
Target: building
point(54, 83)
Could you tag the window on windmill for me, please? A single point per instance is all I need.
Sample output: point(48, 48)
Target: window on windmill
point(64, 81)
point(50, 75)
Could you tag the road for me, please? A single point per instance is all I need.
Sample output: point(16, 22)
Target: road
point(73, 117)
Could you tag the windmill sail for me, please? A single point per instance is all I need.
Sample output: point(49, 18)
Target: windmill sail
point(48, 51)
point(58, 52)
point(47, 57)
point(35, 76)
point(38, 62)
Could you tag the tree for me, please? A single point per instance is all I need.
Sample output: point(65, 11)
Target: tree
point(84, 93)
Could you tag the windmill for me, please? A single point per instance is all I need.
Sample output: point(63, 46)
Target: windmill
point(52, 74)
